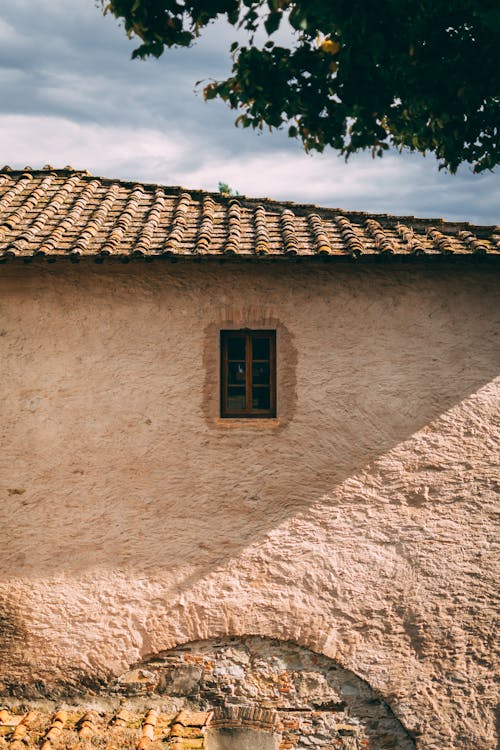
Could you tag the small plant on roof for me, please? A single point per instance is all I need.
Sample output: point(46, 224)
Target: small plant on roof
point(225, 190)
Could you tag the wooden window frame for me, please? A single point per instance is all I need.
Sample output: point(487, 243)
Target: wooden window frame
point(249, 412)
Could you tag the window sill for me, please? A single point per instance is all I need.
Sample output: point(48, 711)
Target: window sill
point(244, 422)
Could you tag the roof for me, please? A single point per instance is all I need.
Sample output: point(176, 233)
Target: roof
point(68, 213)
point(30, 727)
point(48, 726)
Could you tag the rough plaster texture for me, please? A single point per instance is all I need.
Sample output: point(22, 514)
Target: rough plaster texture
point(360, 524)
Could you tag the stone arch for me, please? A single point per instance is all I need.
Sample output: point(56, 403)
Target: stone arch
point(270, 691)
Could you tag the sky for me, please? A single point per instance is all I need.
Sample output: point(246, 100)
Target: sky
point(70, 94)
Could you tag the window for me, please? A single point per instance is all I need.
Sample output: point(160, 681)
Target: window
point(248, 374)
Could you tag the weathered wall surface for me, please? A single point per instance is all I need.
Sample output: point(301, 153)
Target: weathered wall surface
point(360, 524)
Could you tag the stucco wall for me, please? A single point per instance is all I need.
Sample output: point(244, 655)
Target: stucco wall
point(359, 524)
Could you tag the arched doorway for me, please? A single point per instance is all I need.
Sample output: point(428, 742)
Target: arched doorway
point(265, 694)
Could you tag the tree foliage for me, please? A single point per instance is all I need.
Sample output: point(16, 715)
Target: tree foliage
point(358, 74)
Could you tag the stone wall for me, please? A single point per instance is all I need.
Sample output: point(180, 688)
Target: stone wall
point(360, 524)
point(288, 695)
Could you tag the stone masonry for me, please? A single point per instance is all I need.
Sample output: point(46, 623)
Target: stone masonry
point(267, 684)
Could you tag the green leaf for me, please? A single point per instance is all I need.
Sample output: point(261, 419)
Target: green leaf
point(412, 76)
point(272, 22)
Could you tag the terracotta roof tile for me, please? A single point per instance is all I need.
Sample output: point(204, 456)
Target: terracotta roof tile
point(320, 238)
point(233, 241)
point(179, 224)
point(475, 244)
point(262, 243)
point(440, 241)
point(413, 243)
point(383, 239)
point(206, 225)
point(65, 213)
point(290, 241)
point(354, 242)
point(148, 730)
point(87, 725)
point(121, 718)
point(55, 729)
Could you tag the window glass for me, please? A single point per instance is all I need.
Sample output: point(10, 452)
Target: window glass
point(260, 348)
point(236, 347)
point(236, 398)
point(248, 374)
point(236, 373)
point(260, 398)
point(260, 372)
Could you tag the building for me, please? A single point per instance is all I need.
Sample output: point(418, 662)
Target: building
point(249, 461)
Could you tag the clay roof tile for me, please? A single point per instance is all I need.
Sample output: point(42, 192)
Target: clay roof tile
point(351, 235)
point(232, 244)
point(383, 241)
point(411, 240)
point(70, 727)
point(290, 241)
point(67, 213)
point(206, 225)
point(440, 241)
point(262, 244)
point(321, 242)
point(474, 243)
point(179, 224)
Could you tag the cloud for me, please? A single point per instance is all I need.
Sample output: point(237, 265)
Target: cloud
point(71, 94)
point(395, 184)
point(103, 149)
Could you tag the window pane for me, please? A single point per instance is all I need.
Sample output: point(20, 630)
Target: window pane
point(235, 398)
point(236, 347)
point(260, 372)
point(251, 352)
point(260, 348)
point(261, 398)
point(236, 373)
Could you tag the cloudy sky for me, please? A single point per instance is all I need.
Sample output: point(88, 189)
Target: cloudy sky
point(70, 94)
